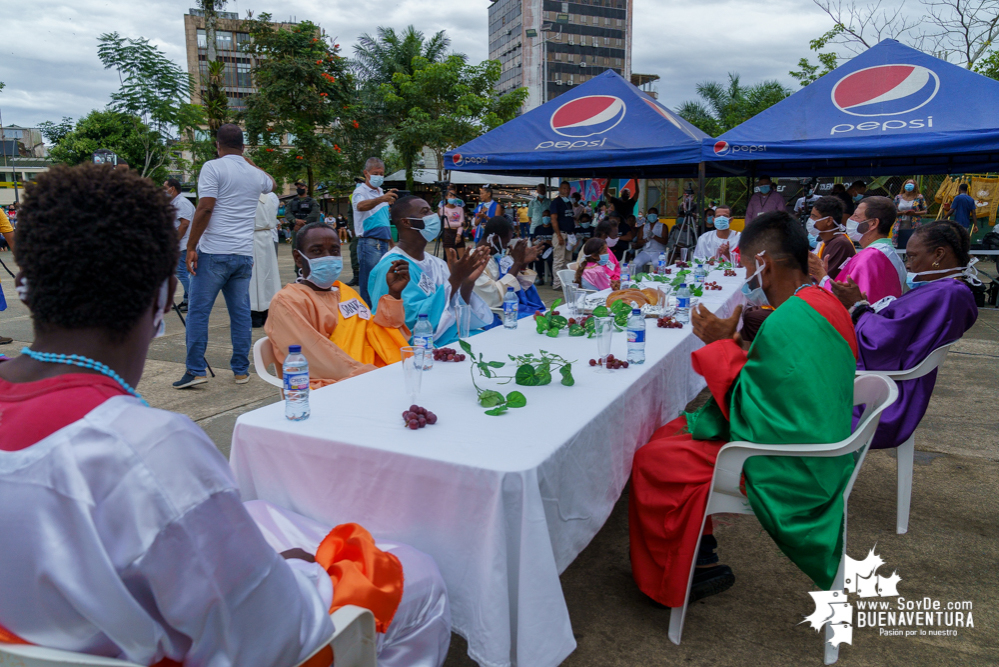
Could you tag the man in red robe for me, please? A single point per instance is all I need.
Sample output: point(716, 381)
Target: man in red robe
point(799, 501)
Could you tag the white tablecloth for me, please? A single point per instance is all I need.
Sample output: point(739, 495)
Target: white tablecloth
point(503, 504)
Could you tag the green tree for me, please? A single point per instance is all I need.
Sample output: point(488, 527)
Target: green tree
point(445, 104)
point(303, 89)
point(827, 61)
point(723, 107)
point(989, 65)
point(376, 62)
point(123, 133)
point(154, 89)
point(56, 132)
point(214, 100)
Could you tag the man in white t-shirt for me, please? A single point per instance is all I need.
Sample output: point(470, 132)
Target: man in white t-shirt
point(371, 222)
point(220, 253)
point(721, 241)
point(183, 215)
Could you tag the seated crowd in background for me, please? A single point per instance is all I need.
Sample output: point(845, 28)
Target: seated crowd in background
point(508, 267)
point(132, 541)
point(722, 241)
point(594, 270)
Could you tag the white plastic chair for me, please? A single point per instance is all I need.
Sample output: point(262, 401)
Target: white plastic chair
point(876, 394)
point(263, 357)
point(906, 451)
point(353, 646)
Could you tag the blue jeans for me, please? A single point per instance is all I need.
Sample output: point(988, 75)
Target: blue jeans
point(369, 252)
point(182, 275)
point(229, 274)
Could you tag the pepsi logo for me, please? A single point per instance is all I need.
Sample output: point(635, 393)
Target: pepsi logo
point(885, 90)
point(456, 158)
point(722, 148)
point(588, 116)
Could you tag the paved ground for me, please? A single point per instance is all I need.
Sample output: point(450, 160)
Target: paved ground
point(949, 554)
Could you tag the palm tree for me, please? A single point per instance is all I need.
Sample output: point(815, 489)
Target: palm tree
point(723, 107)
point(378, 59)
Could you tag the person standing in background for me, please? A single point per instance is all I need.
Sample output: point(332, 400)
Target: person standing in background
point(266, 279)
point(538, 206)
point(523, 222)
point(487, 208)
point(963, 209)
point(301, 210)
point(625, 204)
point(183, 215)
point(541, 237)
point(452, 213)
point(372, 225)
point(911, 207)
point(765, 199)
point(564, 224)
point(7, 230)
point(220, 253)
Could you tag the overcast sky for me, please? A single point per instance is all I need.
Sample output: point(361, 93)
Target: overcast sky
point(49, 55)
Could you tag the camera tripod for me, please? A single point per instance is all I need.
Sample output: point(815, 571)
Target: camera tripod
point(685, 230)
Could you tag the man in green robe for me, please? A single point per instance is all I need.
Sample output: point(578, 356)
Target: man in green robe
point(794, 385)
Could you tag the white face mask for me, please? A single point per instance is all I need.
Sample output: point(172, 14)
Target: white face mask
point(755, 296)
point(611, 243)
point(837, 228)
point(853, 229)
point(969, 272)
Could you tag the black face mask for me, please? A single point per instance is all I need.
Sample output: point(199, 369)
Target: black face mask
point(301, 191)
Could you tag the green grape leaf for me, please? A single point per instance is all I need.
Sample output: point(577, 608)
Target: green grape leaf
point(576, 330)
point(544, 377)
point(558, 302)
point(559, 322)
point(466, 347)
point(515, 399)
point(526, 376)
point(497, 411)
point(566, 372)
point(496, 364)
point(553, 332)
point(601, 311)
point(490, 398)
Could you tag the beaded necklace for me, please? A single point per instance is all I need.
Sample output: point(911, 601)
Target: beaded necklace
point(801, 288)
point(82, 362)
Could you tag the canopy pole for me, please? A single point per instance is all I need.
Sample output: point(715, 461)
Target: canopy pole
point(701, 222)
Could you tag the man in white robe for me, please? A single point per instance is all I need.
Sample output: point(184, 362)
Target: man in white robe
point(265, 281)
point(122, 528)
point(721, 241)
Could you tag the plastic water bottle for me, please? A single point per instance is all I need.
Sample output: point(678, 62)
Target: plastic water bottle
point(423, 336)
point(699, 274)
point(510, 304)
point(636, 337)
point(683, 304)
point(625, 274)
point(296, 384)
point(661, 264)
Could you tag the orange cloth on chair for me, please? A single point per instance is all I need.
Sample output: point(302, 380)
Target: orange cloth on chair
point(335, 336)
point(362, 574)
point(8, 637)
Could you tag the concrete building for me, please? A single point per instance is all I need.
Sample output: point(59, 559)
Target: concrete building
point(549, 47)
point(21, 141)
point(230, 37)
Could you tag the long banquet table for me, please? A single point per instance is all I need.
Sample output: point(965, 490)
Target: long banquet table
point(503, 504)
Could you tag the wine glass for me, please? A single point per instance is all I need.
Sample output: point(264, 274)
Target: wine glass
point(412, 368)
point(604, 328)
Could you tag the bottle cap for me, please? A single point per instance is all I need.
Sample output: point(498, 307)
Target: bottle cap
point(509, 289)
point(636, 311)
point(422, 316)
point(294, 349)
point(683, 284)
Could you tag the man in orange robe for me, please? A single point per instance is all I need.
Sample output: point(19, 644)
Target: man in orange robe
point(338, 333)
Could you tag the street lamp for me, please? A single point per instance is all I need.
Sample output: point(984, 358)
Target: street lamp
point(546, 27)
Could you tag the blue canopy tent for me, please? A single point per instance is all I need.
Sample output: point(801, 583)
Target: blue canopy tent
point(890, 110)
point(604, 128)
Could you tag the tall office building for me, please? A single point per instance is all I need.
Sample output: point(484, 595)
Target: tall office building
point(548, 46)
point(230, 37)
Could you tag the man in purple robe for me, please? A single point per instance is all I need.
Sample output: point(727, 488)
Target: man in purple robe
point(938, 308)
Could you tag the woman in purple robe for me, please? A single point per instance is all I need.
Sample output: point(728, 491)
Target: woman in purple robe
point(938, 308)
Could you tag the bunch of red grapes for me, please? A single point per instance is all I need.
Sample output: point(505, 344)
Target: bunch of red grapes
point(447, 354)
point(668, 323)
point(667, 272)
point(730, 273)
point(417, 417)
point(712, 286)
point(682, 264)
point(610, 363)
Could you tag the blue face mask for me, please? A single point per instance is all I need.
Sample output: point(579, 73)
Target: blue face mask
point(857, 198)
point(455, 202)
point(813, 240)
point(376, 180)
point(605, 259)
point(755, 296)
point(323, 271)
point(909, 187)
point(764, 189)
point(652, 217)
point(721, 222)
point(566, 200)
point(584, 225)
point(431, 226)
